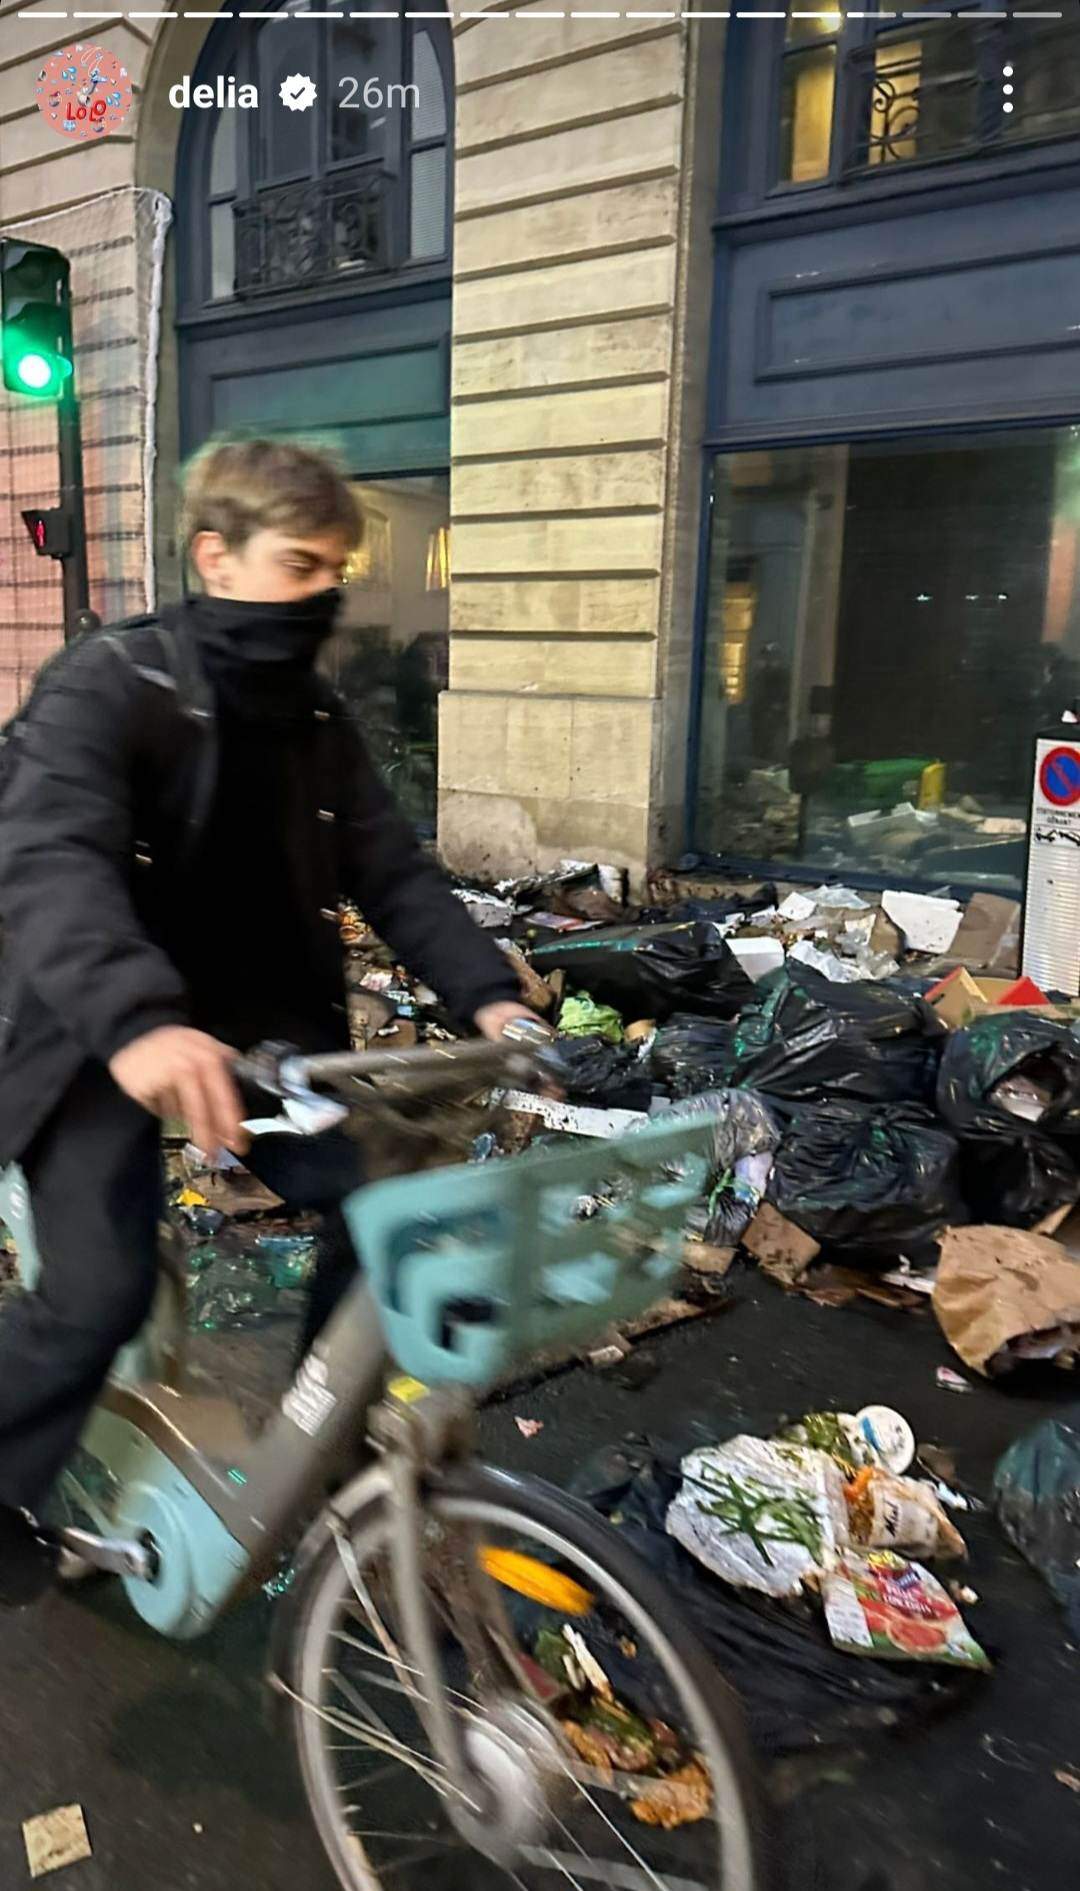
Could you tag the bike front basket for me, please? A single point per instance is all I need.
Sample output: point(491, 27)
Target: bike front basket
point(478, 1267)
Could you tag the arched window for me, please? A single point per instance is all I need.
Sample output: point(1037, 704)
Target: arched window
point(280, 201)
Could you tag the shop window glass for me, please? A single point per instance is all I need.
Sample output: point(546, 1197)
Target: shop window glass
point(390, 655)
point(887, 627)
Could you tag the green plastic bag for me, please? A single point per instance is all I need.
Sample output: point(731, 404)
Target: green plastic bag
point(581, 1016)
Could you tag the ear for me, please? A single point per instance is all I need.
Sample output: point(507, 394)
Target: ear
point(210, 557)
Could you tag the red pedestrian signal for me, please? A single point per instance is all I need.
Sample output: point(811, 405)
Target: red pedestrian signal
point(50, 531)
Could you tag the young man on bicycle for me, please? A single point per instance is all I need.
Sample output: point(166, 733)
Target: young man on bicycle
point(185, 803)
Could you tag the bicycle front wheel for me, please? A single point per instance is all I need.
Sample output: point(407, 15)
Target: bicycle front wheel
point(620, 1760)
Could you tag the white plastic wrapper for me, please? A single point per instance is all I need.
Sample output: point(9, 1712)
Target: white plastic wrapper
point(760, 1514)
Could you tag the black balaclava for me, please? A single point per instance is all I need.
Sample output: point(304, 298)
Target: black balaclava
point(260, 658)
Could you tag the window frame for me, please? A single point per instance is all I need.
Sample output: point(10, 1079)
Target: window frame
point(757, 57)
point(234, 48)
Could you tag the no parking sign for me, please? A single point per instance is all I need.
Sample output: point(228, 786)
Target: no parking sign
point(1052, 893)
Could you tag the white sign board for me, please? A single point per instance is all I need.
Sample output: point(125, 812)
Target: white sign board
point(1052, 902)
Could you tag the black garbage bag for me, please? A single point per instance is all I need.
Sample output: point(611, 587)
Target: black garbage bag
point(807, 1039)
point(798, 1691)
point(1015, 1183)
point(1014, 1168)
point(603, 1075)
point(690, 1055)
point(877, 1180)
point(1037, 1498)
point(653, 971)
point(1006, 1063)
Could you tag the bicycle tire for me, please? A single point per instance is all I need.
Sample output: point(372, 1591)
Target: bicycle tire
point(530, 1506)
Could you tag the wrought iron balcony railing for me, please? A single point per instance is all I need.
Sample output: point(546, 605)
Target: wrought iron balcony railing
point(296, 236)
point(941, 90)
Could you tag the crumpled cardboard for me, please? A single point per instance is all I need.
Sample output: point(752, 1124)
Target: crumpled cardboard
point(988, 939)
point(1003, 1295)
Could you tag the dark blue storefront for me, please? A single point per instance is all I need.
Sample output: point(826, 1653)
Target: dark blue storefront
point(890, 601)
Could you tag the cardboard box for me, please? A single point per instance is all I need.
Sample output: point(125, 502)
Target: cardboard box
point(959, 998)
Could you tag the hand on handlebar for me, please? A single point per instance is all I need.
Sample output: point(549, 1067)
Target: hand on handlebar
point(491, 1020)
point(175, 1071)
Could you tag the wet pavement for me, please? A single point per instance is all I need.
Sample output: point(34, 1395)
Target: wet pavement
point(187, 1786)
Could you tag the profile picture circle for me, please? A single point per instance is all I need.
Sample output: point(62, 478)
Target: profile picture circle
point(83, 92)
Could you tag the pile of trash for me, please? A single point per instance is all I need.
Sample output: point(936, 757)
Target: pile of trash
point(890, 1098)
point(243, 1261)
point(825, 1507)
point(879, 1074)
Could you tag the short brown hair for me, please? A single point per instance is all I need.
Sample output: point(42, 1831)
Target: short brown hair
point(239, 487)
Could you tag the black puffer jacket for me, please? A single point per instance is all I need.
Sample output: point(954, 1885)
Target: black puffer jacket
point(107, 792)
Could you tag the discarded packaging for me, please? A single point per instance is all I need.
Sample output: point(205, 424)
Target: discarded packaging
point(56, 1839)
point(988, 938)
point(1003, 1295)
point(880, 1604)
point(839, 899)
point(759, 1514)
point(898, 1513)
point(781, 1249)
point(950, 1381)
point(843, 971)
point(529, 1427)
point(488, 912)
point(758, 957)
point(835, 1433)
point(960, 998)
point(746, 1134)
point(570, 1118)
point(797, 907)
point(889, 1436)
point(928, 924)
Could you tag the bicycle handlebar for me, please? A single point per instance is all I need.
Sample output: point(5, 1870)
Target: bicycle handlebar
point(373, 1078)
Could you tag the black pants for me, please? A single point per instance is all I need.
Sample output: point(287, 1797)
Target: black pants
point(95, 1180)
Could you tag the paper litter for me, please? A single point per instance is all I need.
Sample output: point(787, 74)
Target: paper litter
point(55, 1839)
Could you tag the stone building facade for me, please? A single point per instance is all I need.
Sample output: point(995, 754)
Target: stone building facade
point(586, 153)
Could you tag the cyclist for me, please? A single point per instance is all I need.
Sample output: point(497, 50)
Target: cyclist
point(185, 802)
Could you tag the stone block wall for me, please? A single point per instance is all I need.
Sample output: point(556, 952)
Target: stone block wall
point(583, 174)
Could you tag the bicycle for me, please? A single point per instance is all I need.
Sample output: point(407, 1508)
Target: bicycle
point(472, 1664)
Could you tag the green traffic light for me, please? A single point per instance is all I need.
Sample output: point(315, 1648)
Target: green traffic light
point(35, 320)
point(35, 373)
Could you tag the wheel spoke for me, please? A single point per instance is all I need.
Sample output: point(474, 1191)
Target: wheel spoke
point(646, 1869)
point(367, 1699)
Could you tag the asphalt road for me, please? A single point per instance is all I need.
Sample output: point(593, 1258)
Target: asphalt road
point(186, 1785)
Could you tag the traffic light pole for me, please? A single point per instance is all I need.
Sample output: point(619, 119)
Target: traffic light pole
point(78, 616)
